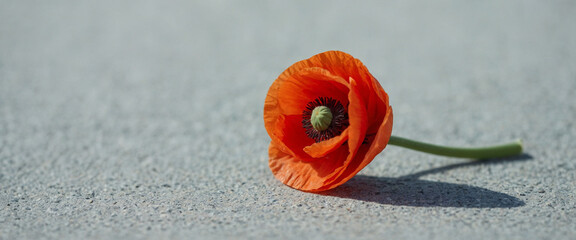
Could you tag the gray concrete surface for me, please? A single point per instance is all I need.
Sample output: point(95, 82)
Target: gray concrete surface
point(143, 119)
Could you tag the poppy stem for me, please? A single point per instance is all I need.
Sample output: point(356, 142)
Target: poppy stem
point(497, 151)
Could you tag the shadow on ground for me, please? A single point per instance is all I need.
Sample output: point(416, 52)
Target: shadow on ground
point(411, 191)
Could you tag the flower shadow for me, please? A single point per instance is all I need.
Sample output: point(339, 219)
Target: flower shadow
point(411, 191)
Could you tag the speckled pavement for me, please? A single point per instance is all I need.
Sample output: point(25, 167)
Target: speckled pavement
point(143, 119)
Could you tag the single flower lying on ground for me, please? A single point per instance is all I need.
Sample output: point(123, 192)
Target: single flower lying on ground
point(328, 117)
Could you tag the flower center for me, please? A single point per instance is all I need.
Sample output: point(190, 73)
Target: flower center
point(324, 118)
point(321, 118)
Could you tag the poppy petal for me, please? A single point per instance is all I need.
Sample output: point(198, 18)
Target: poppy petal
point(330, 60)
point(291, 136)
point(297, 90)
point(320, 149)
point(340, 63)
point(357, 117)
point(305, 176)
point(377, 101)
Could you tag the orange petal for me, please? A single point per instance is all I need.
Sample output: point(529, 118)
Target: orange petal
point(341, 64)
point(382, 136)
point(336, 62)
point(358, 117)
point(297, 90)
point(321, 149)
point(330, 60)
point(271, 109)
point(305, 176)
point(377, 102)
point(291, 137)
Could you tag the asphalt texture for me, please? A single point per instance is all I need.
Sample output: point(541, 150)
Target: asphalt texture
point(143, 119)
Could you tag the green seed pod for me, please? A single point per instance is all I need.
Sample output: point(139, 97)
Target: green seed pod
point(321, 118)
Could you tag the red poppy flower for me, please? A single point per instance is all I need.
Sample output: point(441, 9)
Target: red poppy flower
point(328, 117)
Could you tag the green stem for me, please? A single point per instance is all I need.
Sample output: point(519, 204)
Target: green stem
point(504, 150)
